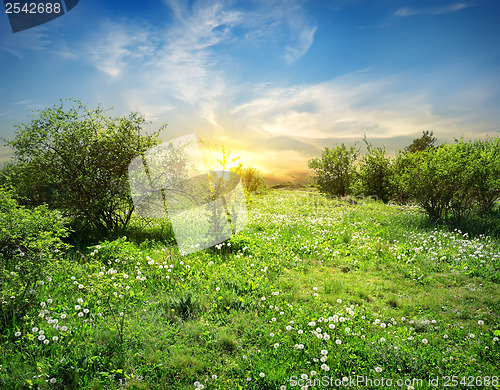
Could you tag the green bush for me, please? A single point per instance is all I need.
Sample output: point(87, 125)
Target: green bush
point(452, 181)
point(485, 181)
point(376, 175)
point(113, 252)
point(427, 140)
point(251, 179)
point(76, 160)
point(29, 240)
point(335, 171)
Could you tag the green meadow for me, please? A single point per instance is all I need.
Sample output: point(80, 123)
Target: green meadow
point(314, 293)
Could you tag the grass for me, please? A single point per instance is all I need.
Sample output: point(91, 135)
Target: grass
point(313, 288)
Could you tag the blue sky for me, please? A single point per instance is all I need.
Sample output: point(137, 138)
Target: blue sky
point(274, 81)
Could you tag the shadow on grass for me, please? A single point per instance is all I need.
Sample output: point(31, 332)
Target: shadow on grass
point(487, 224)
point(138, 231)
point(474, 225)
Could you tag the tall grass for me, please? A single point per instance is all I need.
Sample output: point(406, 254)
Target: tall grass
point(314, 290)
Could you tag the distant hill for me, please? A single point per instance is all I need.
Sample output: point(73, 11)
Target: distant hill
point(290, 186)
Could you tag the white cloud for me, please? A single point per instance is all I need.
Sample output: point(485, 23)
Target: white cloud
point(116, 44)
point(344, 108)
point(281, 128)
point(141, 101)
point(190, 67)
point(35, 39)
point(186, 66)
point(304, 42)
point(431, 10)
point(187, 60)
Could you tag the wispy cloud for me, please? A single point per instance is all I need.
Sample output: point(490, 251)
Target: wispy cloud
point(152, 106)
point(448, 9)
point(303, 43)
point(29, 40)
point(191, 64)
point(187, 59)
point(186, 65)
point(344, 108)
point(283, 127)
point(115, 44)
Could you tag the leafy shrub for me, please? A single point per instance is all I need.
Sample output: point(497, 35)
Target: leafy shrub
point(29, 240)
point(485, 181)
point(76, 160)
point(335, 171)
point(116, 251)
point(376, 176)
point(251, 179)
point(453, 181)
point(426, 141)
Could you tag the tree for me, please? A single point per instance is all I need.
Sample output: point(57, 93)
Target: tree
point(226, 161)
point(75, 159)
point(376, 176)
point(6, 173)
point(402, 164)
point(426, 141)
point(29, 240)
point(335, 170)
point(453, 181)
point(482, 189)
point(251, 178)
